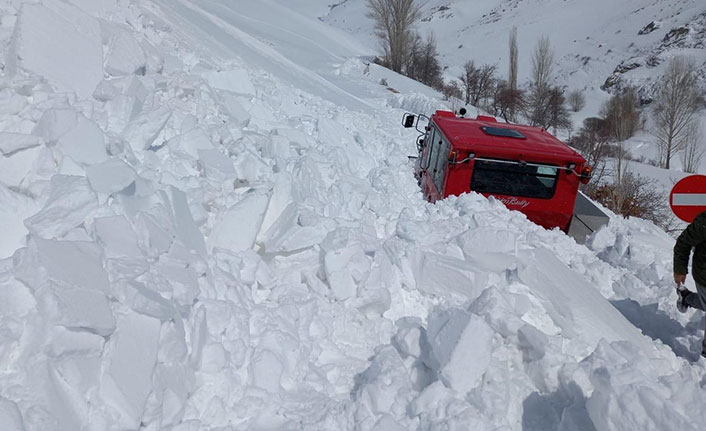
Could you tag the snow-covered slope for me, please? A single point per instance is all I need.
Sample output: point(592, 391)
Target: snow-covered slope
point(591, 39)
point(600, 46)
point(210, 223)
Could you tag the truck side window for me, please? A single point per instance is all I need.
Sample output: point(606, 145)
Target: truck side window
point(430, 159)
point(442, 160)
point(514, 179)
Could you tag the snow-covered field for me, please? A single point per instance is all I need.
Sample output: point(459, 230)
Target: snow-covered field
point(209, 222)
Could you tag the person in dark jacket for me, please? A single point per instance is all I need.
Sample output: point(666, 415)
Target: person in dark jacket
point(693, 237)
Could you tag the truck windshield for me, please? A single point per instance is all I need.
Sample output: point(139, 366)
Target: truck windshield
point(514, 179)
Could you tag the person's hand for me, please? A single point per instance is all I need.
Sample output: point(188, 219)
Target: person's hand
point(679, 279)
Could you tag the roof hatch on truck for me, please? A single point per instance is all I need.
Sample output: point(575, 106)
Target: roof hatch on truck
point(504, 132)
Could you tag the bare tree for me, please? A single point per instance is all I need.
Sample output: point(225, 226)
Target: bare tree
point(542, 62)
point(508, 102)
point(468, 80)
point(512, 76)
point(694, 150)
point(576, 100)
point(558, 116)
point(623, 117)
point(592, 142)
point(623, 114)
point(539, 94)
point(486, 83)
point(478, 83)
point(416, 46)
point(675, 108)
point(452, 91)
point(634, 196)
point(424, 65)
point(393, 26)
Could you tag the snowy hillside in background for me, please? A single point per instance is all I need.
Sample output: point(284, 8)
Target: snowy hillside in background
point(592, 40)
point(210, 222)
point(600, 46)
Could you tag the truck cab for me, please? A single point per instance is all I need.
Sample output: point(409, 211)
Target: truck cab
point(524, 167)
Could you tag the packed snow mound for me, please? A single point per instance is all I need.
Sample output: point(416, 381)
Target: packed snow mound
point(196, 241)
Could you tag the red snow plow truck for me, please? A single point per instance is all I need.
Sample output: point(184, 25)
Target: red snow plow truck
point(524, 167)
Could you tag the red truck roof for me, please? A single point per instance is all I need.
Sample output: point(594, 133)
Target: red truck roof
point(538, 145)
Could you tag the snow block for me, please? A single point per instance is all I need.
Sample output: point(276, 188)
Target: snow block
point(238, 115)
point(84, 309)
point(215, 165)
point(61, 43)
point(280, 200)
point(110, 176)
point(84, 143)
point(14, 209)
point(78, 283)
point(186, 228)
point(128, 366)
point(287, 233)
point(153, 238)
point(387, 423)
point(277, 146)
point(574, 305)
point(73, 264)
point(16, 168)
point(117, 236)
point(143, 130)
point(146, 301)
point(345, 268)
point(488, 240)
point(266, 371)
point(13, 142)
point(189, 144)
point(238, 227)
point(125, 56)
point(71, 200)
point(444, 275)
point(54, 123)
point(99, 8)
point(235, 80)
point(10, 417)
point(461, 344)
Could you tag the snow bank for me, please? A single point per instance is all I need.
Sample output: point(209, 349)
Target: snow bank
point(202, 247)
point(59, 42)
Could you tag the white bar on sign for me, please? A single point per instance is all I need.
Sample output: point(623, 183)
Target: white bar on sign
point(689, 199)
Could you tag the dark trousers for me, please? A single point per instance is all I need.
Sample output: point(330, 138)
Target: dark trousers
point(698, 300)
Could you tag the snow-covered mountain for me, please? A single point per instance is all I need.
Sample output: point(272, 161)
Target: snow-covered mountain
point(600, 47)
point(597, 44)
point(209, 222)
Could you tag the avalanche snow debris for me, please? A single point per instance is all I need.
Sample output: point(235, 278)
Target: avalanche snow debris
point(110, 176)
point(60, 42)
point(125, 55)
point(13, 142)
point(261, 258)
point(10, 416)
point(14, 209)
point(236, 81)
point(71, 200)
point(240, 224)
point(125, 382)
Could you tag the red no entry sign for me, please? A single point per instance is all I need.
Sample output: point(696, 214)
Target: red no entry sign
point(688, 197)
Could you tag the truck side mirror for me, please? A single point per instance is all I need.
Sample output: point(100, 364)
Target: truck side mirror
point(408, 120)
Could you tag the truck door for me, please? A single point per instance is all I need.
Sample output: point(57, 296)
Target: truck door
point(434, 163)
